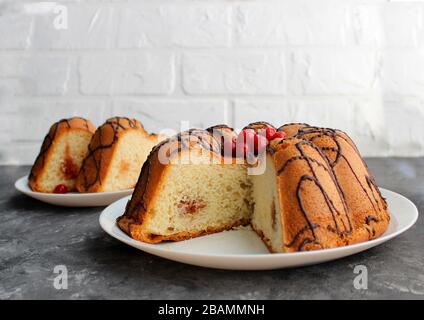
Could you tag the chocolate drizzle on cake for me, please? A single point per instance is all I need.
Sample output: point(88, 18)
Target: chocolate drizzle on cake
point(332, 142)
point(273, 215)
point(188, 139)
point(302, 124)
point(50, 137)
point(300, 233)
point(341, 227)
point(143, 181)
point(370, 218)
point(221, 133)
point(300, 158)
point(314, 133)
point(291, 129)
point(98, 145)
point(258, 126)
point(219, 127)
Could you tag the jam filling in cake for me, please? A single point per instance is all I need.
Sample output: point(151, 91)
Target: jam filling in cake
point(62, 153)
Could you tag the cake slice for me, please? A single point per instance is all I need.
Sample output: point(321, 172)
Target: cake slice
point(116, 154)
point(61, 155)
point(185, 190)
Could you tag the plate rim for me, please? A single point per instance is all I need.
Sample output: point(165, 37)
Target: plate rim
point(21, 184)
point(156, 247)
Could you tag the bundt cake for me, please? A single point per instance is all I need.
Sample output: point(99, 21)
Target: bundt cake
point(115, 156)
point(61, 155)
point(198, 182)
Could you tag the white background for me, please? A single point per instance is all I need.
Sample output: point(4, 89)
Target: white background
point(354, 65)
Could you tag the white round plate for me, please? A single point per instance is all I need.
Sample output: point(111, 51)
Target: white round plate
point(243, 250)
point(72, 199)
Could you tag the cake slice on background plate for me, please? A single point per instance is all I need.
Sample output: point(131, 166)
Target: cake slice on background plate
point(115, 156)
point(61, 155)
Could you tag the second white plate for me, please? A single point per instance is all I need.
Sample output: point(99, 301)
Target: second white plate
point(243, 250)
point(72, 199)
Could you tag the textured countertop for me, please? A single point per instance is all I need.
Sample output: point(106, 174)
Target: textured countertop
point(35, 237)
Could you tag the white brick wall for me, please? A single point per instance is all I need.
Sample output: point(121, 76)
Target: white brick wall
point(275, 23)
point(123, 73)
point(325, 72)
point(159, 114)
point(164, 24)
point(353, 64)
point(233, 72)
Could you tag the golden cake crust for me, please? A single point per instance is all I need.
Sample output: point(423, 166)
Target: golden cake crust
point(144, 193)
point(369, 210)
point(55, 131)
point(148, 185)
point(292, 129)
point(313, 213)
point(101, 150)
point(259, 126)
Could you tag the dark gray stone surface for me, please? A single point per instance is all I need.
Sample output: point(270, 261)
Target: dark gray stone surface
point(35, 237)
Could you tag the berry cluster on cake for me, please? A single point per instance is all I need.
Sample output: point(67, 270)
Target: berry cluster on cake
point(314, 192)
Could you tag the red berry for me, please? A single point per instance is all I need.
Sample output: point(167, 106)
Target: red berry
point(242, 149)
point(229, 147)
point(255, 142)
point(247, 135)
point(269, 133)
point(262, 142)
point(247, 132)
point(279, 135)
point(61, 188)
point(234, 147)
